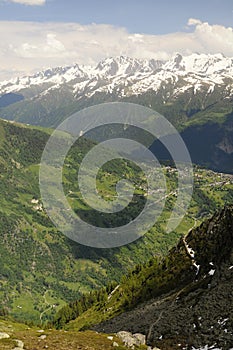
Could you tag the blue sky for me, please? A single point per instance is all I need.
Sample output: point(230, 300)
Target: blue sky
point(50, 33)
point(146, 16)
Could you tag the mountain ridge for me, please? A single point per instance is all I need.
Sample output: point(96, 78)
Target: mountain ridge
point(193, 312)
point(212, 69)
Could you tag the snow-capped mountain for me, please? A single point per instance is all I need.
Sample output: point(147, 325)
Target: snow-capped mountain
point(194, 92)
point(108, 69)
point(195, 70)
point(186, 84)
point(128, 76)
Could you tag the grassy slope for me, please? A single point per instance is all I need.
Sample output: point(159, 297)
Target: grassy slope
point(35, 338)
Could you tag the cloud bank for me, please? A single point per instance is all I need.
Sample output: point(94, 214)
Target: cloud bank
point(28, 46)
point(29, 2)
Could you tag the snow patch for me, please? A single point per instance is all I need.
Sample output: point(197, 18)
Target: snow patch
point(113, 291)
point(222, 322)
point(191, 254)
point(207, 347)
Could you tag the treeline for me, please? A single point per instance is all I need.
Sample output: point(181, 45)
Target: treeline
point(158, 276)
point(25, 144)
point(75, 308)
point(175, 272)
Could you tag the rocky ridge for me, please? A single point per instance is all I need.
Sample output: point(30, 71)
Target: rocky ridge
point(198, 313)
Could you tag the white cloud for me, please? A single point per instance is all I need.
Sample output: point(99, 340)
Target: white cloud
point(29, 2)
point(29, 46)
point(193, 22)
point(51, 47)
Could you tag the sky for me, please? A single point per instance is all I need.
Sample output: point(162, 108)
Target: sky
point(36, 34)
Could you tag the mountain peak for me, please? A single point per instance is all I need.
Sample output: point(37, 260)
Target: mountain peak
point(123, 65)
point(177, 60)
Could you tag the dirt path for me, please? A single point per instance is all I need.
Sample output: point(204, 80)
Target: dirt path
point(47, 303)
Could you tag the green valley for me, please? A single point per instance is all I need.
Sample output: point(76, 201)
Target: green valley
point(41, 269)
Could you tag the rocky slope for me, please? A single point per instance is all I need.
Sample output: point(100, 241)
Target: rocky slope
point(198, 310)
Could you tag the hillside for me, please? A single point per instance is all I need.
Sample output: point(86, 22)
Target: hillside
point(16, 336)
point(194, 92)
point(182, 301)
point(41, 269)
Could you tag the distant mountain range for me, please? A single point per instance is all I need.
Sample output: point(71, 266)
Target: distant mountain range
point(194, 92)
point(200, 81)
point(126, 77)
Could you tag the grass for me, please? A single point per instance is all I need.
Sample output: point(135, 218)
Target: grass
point(207, 117)
point(37, 339)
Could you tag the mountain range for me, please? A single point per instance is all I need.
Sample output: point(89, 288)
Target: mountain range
point(193, 92)
point(126, 77)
